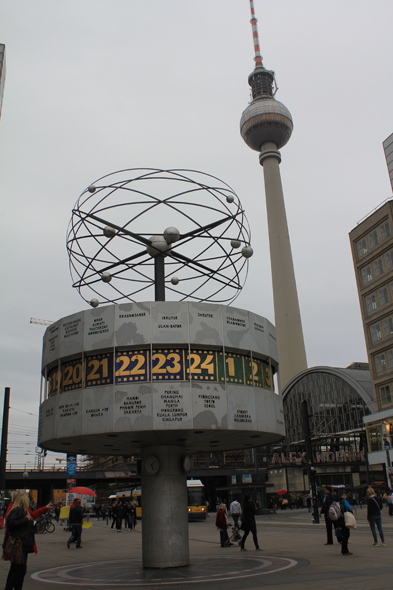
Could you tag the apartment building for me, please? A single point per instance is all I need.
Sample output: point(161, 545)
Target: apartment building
point(372, 253)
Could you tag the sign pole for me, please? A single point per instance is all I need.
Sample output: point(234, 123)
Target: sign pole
point(310, 466)
point(4, 439)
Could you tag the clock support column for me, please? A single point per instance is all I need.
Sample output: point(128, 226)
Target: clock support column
point(164, 507)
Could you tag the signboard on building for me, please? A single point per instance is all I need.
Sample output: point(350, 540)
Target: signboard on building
point(300, 458)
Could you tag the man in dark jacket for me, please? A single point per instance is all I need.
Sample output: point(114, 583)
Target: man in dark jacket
point(120, 514)
point(248, 523)
point(76, 520)
point(327, 502)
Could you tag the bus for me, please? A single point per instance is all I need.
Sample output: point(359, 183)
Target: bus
point(196, 500)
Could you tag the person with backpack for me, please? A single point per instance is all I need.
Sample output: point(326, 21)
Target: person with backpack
point(374, 507)
point(327, 502)
point(339, 506)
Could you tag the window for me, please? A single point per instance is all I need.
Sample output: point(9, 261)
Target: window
point(386, 397)
point(374, 435)
point(378, 267)
point(383, 296)
point(376, 332)
point(389, 259)
point(373, 237)
point(372, 302)
point(381, 363)
point(390, 355)
point(366, 273)
point(388, 325)
point(385, 230)
point(362, 247)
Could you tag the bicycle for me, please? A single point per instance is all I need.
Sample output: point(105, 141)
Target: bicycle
point(44, 524)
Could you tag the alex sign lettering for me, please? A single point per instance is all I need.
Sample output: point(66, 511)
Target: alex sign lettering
point(298, 458)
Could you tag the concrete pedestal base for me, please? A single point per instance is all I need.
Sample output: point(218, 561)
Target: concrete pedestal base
point(164, 507)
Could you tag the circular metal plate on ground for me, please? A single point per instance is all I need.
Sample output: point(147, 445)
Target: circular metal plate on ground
point(223, 571)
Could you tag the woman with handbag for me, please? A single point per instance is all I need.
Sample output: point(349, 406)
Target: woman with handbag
point(374, 507)
point(19, 538)
point(341, 524)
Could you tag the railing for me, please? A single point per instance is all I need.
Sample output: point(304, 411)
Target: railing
point(52, 468)
point(373, 211)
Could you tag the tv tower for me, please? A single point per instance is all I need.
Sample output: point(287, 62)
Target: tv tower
point(266, 126)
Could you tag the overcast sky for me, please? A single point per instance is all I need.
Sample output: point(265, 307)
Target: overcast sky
point(94, 86)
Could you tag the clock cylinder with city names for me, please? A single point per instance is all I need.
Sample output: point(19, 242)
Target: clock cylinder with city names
point(121, 377)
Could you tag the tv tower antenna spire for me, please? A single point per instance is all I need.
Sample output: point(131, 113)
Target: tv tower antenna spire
point(254, 20)
point(266, 126)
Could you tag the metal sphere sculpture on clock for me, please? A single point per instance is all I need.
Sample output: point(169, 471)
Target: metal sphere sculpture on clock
point(179, 233)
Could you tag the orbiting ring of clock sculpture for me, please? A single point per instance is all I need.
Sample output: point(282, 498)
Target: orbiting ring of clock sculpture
point(163, 379)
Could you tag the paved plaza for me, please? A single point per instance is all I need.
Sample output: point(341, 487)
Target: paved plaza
point(294, 558)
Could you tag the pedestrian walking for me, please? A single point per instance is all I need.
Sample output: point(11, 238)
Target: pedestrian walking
point(120, 515)
point(113, 514)
point(127, 516)
point(374, 516)
point(133, 516)
point(340, 522)
point(76, 520)
point(248, 523)
point(327, 502)
point(235, 509)
point(222, 525)
point(57, 512)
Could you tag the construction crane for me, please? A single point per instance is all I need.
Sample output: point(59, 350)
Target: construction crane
point(41, 322)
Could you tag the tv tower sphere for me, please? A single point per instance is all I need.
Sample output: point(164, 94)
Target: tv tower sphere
point(266, 120)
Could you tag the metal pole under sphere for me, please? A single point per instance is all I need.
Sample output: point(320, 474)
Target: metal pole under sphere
point(159, 277)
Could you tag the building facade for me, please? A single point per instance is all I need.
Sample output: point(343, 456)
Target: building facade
point(372, 253)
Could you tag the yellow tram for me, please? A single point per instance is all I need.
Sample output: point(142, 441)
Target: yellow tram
point(197, 509)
